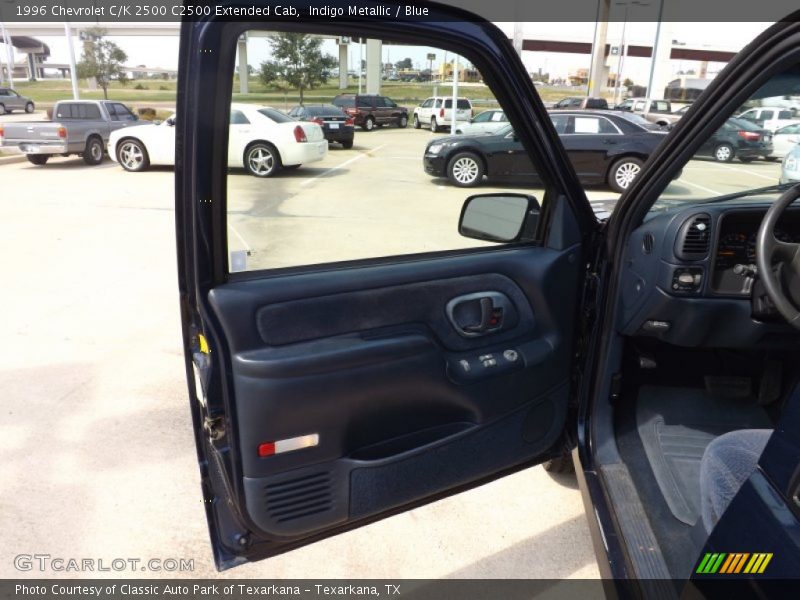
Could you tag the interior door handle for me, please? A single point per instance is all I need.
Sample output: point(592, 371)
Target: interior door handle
point(486, 305)
point(481, 313)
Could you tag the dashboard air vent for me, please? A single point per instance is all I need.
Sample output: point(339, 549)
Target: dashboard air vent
point(648, 243)
point(694, 239)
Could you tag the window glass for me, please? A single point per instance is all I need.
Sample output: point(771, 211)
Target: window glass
point(123, 113)
point(638, 106)
point(348, 101)
point(297, 199)
point(64, 111)
point(560, 123)
point(276, 115)
point(607, 126)
point(741, 156)
point(365, 101)
point(238, 118)
point(485, 117)
point(91, 112)
point(785, 114)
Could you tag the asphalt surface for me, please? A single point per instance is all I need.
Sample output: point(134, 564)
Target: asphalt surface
point(98, 455)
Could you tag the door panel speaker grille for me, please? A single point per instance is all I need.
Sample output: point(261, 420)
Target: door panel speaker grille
point(298, 498)
point(299, 501)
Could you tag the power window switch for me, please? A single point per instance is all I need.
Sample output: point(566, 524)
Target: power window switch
point(511, 355)
point(490, 362)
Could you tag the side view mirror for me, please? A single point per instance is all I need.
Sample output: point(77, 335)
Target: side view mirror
point(171, 122)
point(500, 217)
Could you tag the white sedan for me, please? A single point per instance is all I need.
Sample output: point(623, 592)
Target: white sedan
point(784, 140)
point(261, 139)
point(488, 121)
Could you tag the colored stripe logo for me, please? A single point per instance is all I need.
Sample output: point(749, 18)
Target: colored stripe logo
point(734, 563)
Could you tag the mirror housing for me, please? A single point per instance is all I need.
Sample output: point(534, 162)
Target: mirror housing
point(500, 217)
point(170, 122)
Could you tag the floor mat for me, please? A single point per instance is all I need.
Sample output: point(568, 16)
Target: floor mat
point(675, 426)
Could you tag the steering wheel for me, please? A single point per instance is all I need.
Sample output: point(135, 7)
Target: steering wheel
point(779, 262)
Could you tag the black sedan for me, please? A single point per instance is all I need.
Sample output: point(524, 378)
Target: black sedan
point(336, 125)
point(738, 138)
point(603, 147)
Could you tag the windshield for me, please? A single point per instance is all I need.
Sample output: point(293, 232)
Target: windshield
point(744, 159)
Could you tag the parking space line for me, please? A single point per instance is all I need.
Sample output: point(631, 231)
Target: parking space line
point(700, 187)
point(241, 238)
point(342, 165)
point(740, 170)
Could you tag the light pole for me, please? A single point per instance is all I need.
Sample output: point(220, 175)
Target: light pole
point(620, 61)
point(649, 93)
point(360, 62)
point(9, 54)
point(73, 75)
point(623, 45)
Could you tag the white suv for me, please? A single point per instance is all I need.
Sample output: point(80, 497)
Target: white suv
point(436, 112)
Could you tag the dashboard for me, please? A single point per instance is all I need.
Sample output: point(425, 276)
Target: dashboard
point(735, 253)
point(691, 272)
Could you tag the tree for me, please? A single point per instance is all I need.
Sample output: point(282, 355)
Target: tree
point(406, 63)
point(628, 82)
point(102, 59)
point(297, 60)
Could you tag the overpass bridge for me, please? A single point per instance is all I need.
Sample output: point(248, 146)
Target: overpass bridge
point(664, 50)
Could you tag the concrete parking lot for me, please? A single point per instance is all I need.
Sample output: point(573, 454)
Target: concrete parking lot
point(98, 453)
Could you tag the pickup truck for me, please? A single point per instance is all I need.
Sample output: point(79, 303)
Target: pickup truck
point(78, 127)
point(771, 118)
point(660, 111)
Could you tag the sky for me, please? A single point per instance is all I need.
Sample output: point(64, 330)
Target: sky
point(163, 51)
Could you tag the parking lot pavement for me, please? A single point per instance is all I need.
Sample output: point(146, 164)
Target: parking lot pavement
point(98, 455)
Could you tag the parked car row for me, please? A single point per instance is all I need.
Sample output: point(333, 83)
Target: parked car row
point(604, 146)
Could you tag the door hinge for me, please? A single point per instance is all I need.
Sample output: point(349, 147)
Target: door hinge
point(214, 428)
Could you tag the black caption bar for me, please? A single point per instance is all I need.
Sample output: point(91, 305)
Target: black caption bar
point(37, 11)
point(236, 589)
